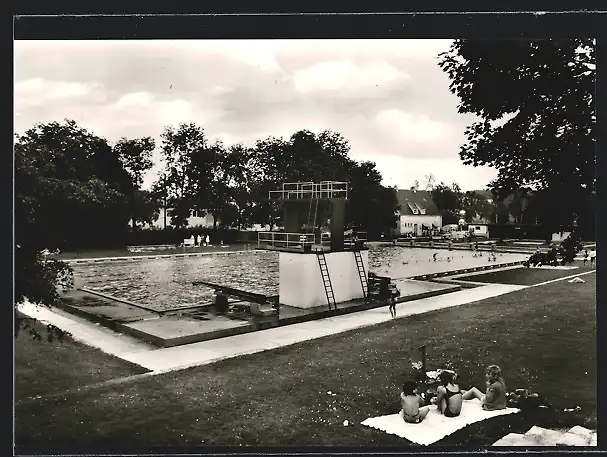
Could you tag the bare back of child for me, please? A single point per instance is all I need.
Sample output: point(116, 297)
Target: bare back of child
point(410, 402)
point(449, 400)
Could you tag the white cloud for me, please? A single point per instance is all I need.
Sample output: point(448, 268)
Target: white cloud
point(411, 127)
point(220, 90)
point(344, 74)
point(174, 112)
point(38, 91)
point(134, 99)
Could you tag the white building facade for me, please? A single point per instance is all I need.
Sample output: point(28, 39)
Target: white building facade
point(416, 212)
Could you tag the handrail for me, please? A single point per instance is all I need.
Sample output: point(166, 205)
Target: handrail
point(285, 239)
point(305, 190)
point(325, 238)
point(300, 240)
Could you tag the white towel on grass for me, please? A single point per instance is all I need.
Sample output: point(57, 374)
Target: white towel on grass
point(435, 426)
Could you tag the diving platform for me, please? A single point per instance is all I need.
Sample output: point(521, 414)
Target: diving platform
point(314, 219)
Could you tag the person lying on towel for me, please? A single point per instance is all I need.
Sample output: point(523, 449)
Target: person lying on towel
point(449, 399)
point(495, 397)
point(411, 401)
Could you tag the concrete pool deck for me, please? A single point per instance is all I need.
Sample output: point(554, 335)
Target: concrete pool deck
point(160, 360)
point(178, 327)
point(201, 353)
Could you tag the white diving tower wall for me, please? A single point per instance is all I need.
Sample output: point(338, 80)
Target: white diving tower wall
point(301, 284)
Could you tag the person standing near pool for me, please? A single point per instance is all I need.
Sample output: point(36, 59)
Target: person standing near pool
point(392, 294)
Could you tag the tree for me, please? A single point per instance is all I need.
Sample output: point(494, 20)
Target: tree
point(475, 204)
point(184, 155)
point(517, 204)
point(74, 186)
point(370, 205)
point(69, 189)
point(430, 181)
point(147, 206)
point(136, 158)
point(537, 116)
point(238, 175)
point(214, 195)
point(305, 157)
point(448, 201)
point(267, 174)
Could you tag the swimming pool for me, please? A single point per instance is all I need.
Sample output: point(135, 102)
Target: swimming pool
point(166, 283)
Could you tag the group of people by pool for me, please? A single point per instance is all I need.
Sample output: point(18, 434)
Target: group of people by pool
point(449, 396)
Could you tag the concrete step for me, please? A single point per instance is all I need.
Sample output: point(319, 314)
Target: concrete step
point(515, 439)
point(539, 436)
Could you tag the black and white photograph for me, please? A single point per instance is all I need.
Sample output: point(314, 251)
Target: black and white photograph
point(305, 242)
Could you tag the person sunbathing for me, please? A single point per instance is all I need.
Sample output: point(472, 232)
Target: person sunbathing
point(495, 396)
point(411, 401)
point(449, 399)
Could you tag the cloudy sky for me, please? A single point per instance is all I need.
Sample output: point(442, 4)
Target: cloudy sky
point(389, 98)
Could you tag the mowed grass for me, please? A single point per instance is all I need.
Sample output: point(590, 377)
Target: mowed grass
point(524, 276)
point(43, 368)
point(543, 337)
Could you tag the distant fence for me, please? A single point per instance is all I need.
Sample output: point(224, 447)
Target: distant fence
point(176, 236)
point(521, 232)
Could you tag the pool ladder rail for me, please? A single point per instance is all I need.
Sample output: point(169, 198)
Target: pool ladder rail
point(362, 274)
point(326, 279)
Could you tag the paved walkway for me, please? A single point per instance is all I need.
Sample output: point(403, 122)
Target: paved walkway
point(161, 360)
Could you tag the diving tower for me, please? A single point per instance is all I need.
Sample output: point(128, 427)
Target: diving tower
point(317, 267)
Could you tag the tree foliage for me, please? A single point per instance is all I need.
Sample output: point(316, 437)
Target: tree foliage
point(232, 183)
point(448, 201)
point(535, 104)
point(136, 158)
point(70, 186)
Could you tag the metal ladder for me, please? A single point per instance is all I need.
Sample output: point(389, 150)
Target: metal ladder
point(360, 266)
point(312, 214)
point(326, 279)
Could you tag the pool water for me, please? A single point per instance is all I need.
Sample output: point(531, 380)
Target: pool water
point(166, 283)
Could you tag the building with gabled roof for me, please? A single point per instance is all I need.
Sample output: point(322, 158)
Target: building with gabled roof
point(417, 212)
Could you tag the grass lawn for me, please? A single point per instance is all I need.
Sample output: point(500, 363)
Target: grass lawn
point(544, 338)
point(43, 368)
point(524, 276)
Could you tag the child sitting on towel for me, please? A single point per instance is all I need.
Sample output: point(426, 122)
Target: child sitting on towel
point(495, 397)
point(449, 399)
point(411, 401)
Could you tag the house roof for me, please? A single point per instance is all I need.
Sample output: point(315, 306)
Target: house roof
point(418, 202)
